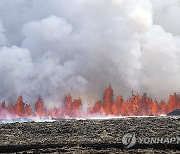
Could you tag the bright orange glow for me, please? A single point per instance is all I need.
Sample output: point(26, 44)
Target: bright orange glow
point(137, 105)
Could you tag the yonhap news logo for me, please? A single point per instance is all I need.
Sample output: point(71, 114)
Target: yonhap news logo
point(130, 139)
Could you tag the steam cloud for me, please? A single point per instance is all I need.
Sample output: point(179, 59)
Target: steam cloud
point(56, 47)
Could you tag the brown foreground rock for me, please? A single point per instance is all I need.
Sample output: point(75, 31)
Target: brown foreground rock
point(92, 136)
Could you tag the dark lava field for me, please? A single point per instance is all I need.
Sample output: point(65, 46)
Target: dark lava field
point(92, 136)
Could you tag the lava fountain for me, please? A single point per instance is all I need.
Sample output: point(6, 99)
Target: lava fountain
point(137, 105)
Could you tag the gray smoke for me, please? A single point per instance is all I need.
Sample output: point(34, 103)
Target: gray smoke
point(56, 47)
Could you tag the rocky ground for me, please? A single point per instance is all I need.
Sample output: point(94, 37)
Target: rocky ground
point(91, 136)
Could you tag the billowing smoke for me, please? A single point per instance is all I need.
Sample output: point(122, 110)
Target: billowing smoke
point(56, 47)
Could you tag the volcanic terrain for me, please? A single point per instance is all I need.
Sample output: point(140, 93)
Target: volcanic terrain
point(89, 136)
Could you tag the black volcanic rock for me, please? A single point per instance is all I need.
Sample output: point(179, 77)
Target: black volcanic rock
point(174, 113)
point(89, 136)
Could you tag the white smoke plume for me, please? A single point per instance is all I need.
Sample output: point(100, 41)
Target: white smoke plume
point(56, 47)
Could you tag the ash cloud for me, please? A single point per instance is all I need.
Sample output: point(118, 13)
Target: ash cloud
point(58, 47)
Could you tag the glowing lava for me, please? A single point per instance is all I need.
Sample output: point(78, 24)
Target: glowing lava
point(135, 106)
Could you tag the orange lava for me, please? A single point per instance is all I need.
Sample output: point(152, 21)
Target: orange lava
point(137, 105)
